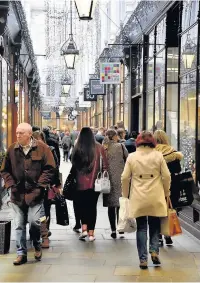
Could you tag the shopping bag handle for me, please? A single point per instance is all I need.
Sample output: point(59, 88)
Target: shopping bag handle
point(169, 203)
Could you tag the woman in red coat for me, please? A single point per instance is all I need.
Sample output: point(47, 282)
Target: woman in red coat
point(86, 159)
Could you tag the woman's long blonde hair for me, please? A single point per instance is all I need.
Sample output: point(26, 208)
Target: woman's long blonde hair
point(161, 137)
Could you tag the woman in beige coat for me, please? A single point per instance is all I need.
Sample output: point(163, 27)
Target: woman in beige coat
point(150, 185)
point(173, 159)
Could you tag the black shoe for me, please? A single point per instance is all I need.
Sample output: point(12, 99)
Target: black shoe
point(143, 265)
point(21, 259)
point(38, 254)
point(168, 241)
point(114, 235)
point(155, 258)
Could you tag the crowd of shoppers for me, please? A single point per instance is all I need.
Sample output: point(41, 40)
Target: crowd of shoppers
point(141, 167)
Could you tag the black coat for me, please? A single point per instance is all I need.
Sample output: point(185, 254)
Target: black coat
point(130, 145)
point(52, 141)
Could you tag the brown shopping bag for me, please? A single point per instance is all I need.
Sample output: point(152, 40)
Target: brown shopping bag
point(170, 225)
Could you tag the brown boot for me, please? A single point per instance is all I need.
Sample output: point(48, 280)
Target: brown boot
point(38, 254)
point(21, 259)
point(45, 243)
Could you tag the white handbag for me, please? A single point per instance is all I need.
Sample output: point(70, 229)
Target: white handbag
point(102, 183)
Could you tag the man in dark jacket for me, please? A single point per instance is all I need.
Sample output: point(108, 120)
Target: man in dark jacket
point(51, 140)
point(100, 135)
point(130, 143)
point(27, 170)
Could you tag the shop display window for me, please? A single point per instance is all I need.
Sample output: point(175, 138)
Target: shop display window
point(190, 12)
point(151, 74)
point(150, 111)
point(159, 108)
point(160, 68)
point(4, 104)
point(161, 35)
point(172, 64)
point(117, 103)
point(188, 120)
point(151, 44)
point(126, 102)
point(198, 139)
point(172, 114)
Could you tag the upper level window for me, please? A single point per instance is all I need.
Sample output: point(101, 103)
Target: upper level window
point(190, 12)
point(161, 35)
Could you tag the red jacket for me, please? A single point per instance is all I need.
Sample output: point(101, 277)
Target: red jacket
point(86, 182)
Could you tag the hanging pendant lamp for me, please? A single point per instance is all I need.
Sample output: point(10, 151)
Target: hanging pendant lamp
point(85, 9)
point(69, 49)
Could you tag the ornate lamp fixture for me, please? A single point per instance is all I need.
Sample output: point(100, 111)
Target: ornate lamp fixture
point(85, 9)
point(66, 84)
point(69, 49)
point(188, 53)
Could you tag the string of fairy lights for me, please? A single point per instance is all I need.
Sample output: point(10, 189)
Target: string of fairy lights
point(87, 36)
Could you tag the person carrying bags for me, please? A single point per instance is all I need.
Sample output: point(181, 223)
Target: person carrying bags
point(150, 185)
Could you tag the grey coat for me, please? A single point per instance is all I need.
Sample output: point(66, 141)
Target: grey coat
point(116, 156)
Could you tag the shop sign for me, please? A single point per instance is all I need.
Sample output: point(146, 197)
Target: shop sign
point(88, 96)
point(110, 73)
point(96, 87)
point(46, 115)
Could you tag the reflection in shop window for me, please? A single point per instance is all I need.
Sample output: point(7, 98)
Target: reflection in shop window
point(151, 74)
point(126, 102)
point(4, 104)
point(150, 111)
point(188, 120)
point(190, 12)
point(160, 68)
point(172, 64)
point(172, 114)
point(159, 108)
point(151, 44)
point(198, 141)
point(161, 34)
point(189, 49)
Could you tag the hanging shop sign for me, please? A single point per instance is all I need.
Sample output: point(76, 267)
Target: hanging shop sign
point(96, 87)
point(110, 73)
point(46, 115)
point(88, 96)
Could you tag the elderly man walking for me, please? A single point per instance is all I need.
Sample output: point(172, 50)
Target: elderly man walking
point(27, 170)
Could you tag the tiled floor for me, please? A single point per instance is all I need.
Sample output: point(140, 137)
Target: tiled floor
point(105, 260)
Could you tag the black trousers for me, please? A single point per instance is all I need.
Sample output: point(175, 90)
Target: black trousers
point(113, 214)
point(77, 213)
point(87, 203)
point(65, 155)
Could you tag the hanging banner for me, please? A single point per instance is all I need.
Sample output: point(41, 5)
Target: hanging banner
point(110, 73)
point(96, 87)
point(88, 96)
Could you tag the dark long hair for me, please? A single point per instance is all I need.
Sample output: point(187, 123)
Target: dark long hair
point(84, 151)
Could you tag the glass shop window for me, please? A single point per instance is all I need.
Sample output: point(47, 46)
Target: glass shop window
point(190, 12)
point(188, 120)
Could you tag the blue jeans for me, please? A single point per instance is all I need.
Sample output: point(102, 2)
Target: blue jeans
point(20, 216)
point(154, 230)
